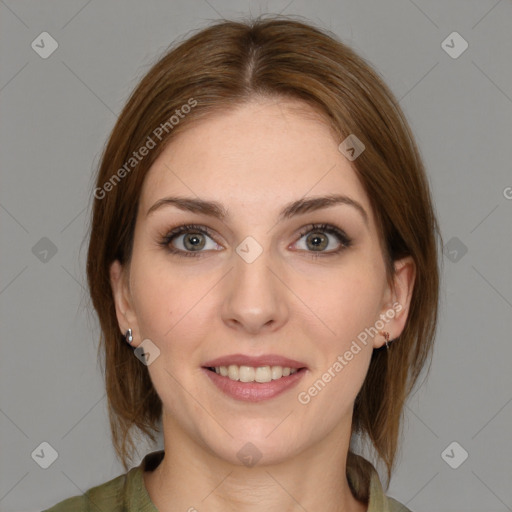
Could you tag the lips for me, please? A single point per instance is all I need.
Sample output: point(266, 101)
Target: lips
point(254, 378)
point(254, 361)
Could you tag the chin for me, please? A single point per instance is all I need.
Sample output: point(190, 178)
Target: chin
point(252, 447)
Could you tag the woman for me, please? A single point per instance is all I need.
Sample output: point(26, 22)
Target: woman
point(263, 263)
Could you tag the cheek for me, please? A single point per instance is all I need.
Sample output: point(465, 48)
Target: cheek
point(155, 300)
point(346, 307)
point(345, 303)
point(170, 306)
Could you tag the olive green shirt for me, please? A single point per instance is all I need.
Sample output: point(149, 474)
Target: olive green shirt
point(127, 493)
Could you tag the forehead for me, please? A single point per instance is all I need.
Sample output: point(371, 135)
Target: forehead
point(260, 154)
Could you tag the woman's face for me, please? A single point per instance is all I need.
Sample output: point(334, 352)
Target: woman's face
point(276, 276)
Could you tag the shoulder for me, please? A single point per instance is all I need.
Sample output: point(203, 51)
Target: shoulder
point(75, 504)
point(107, 496)
point(366, 486)
point(124, 493)
point(395, 506)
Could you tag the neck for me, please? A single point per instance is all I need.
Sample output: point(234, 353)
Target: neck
point(191, 478)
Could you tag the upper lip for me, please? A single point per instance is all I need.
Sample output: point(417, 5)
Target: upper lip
point(254, 361)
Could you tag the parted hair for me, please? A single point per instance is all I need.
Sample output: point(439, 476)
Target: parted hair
point(224, 65)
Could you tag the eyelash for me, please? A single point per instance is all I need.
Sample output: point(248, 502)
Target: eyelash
point(345, 241)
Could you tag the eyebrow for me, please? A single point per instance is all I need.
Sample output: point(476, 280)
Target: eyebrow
point(299, 207)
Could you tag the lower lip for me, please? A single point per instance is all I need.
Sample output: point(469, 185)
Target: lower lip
point(254, 391)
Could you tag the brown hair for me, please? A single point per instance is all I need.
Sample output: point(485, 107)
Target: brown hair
point(226, 64)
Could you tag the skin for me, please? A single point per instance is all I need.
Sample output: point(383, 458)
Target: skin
point(254, 159)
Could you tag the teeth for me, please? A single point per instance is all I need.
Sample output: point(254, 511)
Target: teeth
point(252, 374)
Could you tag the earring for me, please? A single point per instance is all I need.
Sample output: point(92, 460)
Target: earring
point(386, 337)
point(129, 336)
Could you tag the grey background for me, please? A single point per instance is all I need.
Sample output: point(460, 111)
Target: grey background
point(56, 114)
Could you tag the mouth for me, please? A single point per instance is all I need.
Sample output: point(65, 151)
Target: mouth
point(254, 379)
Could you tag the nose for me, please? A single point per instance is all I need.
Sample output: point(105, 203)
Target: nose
point(255, 299)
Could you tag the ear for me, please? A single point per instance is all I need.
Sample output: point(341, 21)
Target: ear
point(125, 313)
point(398, 299)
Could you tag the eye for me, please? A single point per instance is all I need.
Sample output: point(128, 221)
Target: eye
point(323, 239)
point(189, 239)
